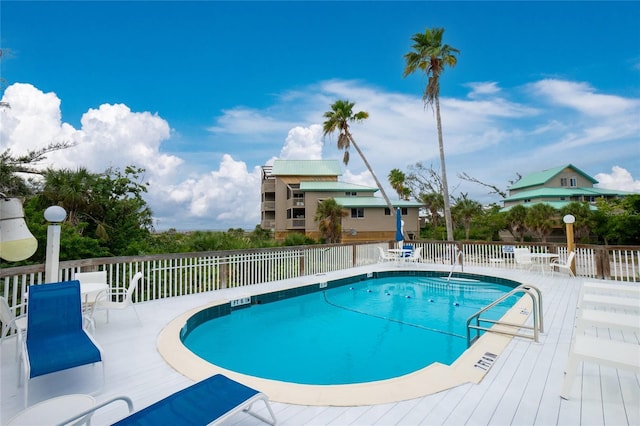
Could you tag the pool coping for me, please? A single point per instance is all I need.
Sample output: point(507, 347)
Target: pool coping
point(470, 367)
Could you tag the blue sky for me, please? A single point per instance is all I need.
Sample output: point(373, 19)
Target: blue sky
point(201, 94)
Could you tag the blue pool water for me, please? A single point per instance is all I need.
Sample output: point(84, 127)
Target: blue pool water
point(370, 330)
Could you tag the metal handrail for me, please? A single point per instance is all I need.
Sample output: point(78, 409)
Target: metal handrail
point(459, 255)
point(538, 322)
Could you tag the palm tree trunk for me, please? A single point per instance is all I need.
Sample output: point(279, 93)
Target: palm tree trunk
point(445, 186)
point(366, 163)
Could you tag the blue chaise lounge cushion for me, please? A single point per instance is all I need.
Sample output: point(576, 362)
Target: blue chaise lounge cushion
point(55, 339)
point(198, 404)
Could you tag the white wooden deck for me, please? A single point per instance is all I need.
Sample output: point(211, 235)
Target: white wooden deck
point(522, 387)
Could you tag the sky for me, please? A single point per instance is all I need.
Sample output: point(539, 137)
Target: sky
point(202, 94)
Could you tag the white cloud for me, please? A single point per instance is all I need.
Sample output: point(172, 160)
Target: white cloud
point(619, 179)
point(303, 143)
point(479, 89)
point(583, 98)
point(491, 134)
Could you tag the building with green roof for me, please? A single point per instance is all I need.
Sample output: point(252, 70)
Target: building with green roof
point(292, 189)
point(557, 187)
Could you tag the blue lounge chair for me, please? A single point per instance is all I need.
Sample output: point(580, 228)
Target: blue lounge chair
point(56, 340)
point(210, 401)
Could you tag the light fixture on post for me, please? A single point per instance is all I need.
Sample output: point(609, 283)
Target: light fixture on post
point(54, 215)
point(16, 241)
point(569, 220)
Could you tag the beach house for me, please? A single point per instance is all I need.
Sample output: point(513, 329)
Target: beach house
point(292, 189)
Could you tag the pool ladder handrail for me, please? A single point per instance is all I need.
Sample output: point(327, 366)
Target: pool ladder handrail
point(538, 323)
point(459, 255)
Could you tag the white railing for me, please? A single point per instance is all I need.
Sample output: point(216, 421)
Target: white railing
point(173, 275)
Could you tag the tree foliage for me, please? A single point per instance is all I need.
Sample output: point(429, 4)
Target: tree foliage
point(329, 218)
point(465, 210)
point(338, 119)
point(432, 57)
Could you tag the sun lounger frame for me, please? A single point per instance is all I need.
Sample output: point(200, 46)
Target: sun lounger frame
point(612, 353)
point(225, 396)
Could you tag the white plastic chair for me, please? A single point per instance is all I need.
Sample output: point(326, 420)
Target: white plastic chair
point(12, 322)
point(522, 257)
point(555, 263)
point(385, 256)
point(88, 305)
point(416, 256)
point(120, 298)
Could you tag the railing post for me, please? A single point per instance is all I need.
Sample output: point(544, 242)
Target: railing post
point(224, 275)
point(603, 263)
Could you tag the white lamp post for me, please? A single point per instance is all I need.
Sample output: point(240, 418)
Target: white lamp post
point(54, 215)
point(569, 220)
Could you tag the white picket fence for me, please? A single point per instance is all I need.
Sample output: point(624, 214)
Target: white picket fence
point(173, 275)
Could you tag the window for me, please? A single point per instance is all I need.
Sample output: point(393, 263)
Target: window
point(573, 182)
point(357, 213)
point(563, 181)
point(403, 210)
point(351, 194)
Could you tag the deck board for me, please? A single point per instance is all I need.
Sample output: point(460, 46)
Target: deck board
point(522, 387)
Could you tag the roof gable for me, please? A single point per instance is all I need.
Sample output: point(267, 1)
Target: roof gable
point(540, 178)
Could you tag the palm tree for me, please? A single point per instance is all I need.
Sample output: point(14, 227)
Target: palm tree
point(433, 202)
point(540, 219)
point(516, 221)
point(431, 56)
point(466, 209)
point(338, 118)
point(397, 180)
point(70, 189)
point(329, 217)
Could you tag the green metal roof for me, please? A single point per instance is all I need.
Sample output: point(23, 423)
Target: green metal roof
point(306, 168)
point(329, 186)
point(562, 192)
point(373, 202)
point(540, 178)
point(555, 204)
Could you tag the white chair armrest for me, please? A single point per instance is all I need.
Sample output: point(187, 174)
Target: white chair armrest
point(80, 417)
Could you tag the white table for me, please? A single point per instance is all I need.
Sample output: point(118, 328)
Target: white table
point(89, 291)
point(54, 410)
point(544, 259)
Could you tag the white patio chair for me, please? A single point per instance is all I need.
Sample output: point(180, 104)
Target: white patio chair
point(385, 256)
point(555, 263)
point(416, 256)
point(119, 298)
point(89, 300)
point(522, 257)
point(12, 322)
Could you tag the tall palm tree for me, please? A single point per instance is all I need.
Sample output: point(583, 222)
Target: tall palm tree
point(397, 179)
point(431, 56)
point(338, 118)
point(329, 217)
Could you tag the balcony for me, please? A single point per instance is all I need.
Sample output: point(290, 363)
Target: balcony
point(298, 223)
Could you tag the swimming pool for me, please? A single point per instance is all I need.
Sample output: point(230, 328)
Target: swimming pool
point(356, 330)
